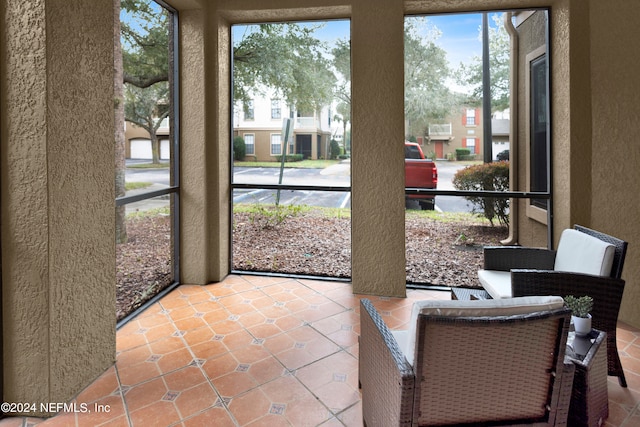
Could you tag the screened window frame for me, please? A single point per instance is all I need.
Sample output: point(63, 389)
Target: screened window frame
point(542, 195)
point(174, 165)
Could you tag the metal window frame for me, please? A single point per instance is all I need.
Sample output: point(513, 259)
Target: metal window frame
point(548, 195)
point(174, 188)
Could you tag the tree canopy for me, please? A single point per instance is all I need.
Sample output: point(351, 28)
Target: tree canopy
point(285, 58)
point(427, 96)
point(145, 43)
point(471, 75)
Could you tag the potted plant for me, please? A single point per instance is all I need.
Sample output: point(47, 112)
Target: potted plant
point(580, 313)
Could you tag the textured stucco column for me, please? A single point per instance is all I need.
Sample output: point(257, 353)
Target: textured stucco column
point(57, 190)
point(615, 97)
point(205, 150)
point(377, 167)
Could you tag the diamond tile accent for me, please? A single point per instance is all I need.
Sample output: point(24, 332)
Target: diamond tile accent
point(197, 362)
point(170, 396)
point(243, 367)
point(222, 402)
point(277, 408)
point(154, 358)
point(339, 377)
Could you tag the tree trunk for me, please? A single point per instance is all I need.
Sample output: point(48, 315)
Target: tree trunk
point(118, 95)
point(155, 146)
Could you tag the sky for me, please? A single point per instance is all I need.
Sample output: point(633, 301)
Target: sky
point(460, 34)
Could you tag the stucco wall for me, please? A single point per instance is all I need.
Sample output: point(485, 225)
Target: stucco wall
point(58, 250)
point(615, 99)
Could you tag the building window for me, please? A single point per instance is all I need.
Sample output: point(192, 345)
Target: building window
point(538, 137)
point(276, 144)
point(249, 110)
point(538, 142)
point(276, 110)
point(249, 144)
point(470, 143)
point(471, 117)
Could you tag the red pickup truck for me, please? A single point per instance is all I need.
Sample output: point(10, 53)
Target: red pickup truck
point(419, 173)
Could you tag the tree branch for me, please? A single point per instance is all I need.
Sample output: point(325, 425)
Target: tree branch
point(145, 82)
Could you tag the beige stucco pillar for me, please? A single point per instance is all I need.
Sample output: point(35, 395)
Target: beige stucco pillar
point(205, 148)
point(57, 194)
point(615, 97)
point(377, 167)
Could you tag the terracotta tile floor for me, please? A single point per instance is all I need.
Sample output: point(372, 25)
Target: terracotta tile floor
point(257, 351)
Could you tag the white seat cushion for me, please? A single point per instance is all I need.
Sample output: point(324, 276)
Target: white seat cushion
point(497, 283)
point(580, 253)
point(471, 308)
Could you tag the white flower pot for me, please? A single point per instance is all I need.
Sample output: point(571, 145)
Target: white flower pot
point(582, 325)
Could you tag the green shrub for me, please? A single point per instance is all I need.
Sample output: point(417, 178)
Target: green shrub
point(462, 152)
point(239, 148)
point(270, 216)
point(334, 150)
point(487, 177)
point(290, 158)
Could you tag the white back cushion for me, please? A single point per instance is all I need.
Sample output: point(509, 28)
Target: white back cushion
point(580, 253)
point(472, 308)
point(497, 283)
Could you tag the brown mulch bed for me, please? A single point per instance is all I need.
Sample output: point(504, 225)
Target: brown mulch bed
point(438, 253)
point(143, 263)
point(444, 253)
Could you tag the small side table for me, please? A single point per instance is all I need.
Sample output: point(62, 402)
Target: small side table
point(464, 294)
point(589, 400)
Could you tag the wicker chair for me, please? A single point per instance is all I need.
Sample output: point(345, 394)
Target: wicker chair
point(532, 273)
point(467, 367)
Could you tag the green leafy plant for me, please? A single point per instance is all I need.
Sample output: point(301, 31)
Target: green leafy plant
point(579, 306)
point(489, 177)
point(290, 158)
point(268, 216)
point(239, 148)
point(334, 149)
point(463, 153)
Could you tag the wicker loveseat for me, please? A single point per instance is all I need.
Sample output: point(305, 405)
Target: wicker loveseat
point(492, 362)
point(587, 262)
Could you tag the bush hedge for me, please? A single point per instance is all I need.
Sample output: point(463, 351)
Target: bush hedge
point(290, 158)
point(239, 148)
point(462, 153)
point(334, 150)
point(489, 177)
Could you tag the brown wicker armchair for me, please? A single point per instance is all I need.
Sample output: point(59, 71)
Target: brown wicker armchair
point(532, 273)
point(467, 366)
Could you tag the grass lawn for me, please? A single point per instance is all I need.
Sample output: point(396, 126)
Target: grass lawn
point(304, 164)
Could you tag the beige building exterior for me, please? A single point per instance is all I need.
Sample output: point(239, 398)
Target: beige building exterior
point(56, 162)
point(462, 130)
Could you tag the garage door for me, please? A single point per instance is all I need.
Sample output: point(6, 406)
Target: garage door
point(141, 149)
